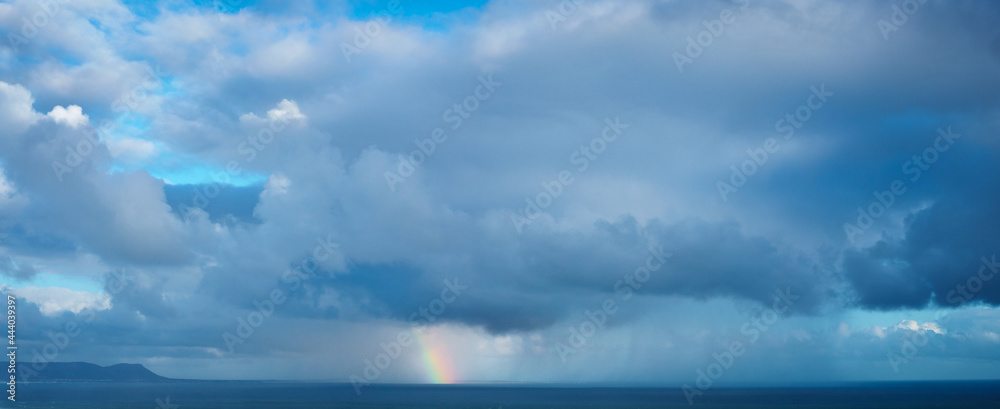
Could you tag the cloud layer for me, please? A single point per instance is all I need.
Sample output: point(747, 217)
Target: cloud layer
point(185, 162)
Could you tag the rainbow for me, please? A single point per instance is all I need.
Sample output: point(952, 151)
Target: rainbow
point(439, 368)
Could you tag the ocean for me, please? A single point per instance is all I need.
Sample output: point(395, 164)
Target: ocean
point(252, 395)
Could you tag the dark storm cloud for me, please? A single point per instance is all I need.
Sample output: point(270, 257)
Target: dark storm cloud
point(948, 256)
point(550, 276)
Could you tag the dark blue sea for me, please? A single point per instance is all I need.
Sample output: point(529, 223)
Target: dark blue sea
point(192, 395)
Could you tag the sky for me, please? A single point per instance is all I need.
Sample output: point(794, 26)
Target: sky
point(633, 191)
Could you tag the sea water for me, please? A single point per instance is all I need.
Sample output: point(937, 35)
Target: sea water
point(252, 395)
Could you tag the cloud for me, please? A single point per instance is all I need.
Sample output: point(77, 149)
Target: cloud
point(17, 111)
point(945, 255)
point(20, 272)
point(123, 216)
point(131, 150)
point(285, 112)
point(53, 301)
point(72, 116)
point(10, 200)
point(284, 144)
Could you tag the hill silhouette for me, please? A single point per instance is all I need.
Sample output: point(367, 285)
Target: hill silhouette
point(82, 371)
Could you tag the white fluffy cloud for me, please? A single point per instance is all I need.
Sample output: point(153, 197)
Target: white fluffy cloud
point(53, 301)
point(72, 116)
